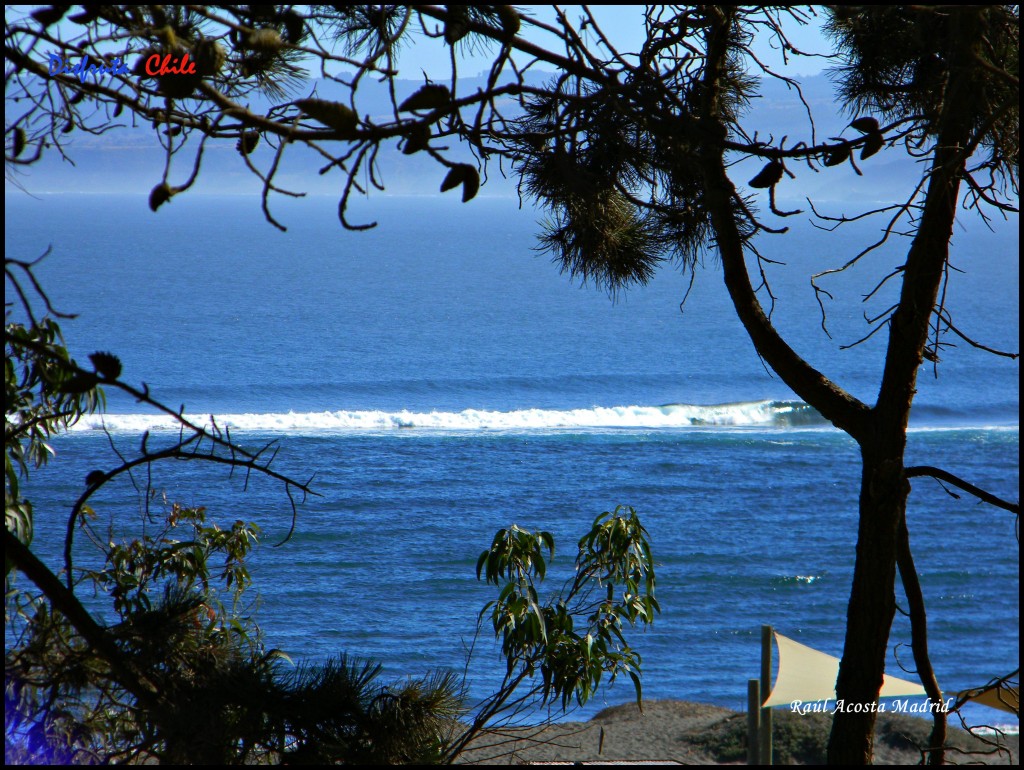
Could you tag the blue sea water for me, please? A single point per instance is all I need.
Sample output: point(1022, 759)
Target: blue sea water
point(442, 380)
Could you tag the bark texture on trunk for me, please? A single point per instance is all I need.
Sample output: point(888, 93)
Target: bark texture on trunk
point(884, 486)
point(871, 608)
point(881, 430)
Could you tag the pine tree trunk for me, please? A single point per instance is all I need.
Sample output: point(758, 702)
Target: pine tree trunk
point(883, 498)
point(880, 431)
point(884, 488)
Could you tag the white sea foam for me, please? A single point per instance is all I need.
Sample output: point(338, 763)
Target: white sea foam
point(763, 414)
point(1006, 729)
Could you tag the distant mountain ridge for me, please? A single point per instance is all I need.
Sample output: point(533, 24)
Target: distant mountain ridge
point(127, 161)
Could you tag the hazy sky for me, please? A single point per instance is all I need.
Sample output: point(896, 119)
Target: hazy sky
point(623, 24)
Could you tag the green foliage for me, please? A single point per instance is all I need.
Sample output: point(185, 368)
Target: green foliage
point(576, 157)
point(604, 238)
point(338, 711)
point(898, 61)
point(629, 152)
point(133, 567)
point(171, 626)
point(222, 696)
point(44, 393)
point(619, 171)
point(372, 31)
point(181, 674)
point(576, 638)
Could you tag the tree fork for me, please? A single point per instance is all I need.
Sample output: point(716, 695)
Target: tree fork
point(881, 431)
point(835, 404)
point(884, 486)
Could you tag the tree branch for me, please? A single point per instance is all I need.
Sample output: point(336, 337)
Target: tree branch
point(64, 600)
point(981, 494)
point(919, 642)
point(835, 404)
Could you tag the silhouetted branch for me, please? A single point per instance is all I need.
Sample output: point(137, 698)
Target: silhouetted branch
point(944, 317)
point(887, 314)
point(27, 269)
point(989, 734)
point(981, 494)
point(919, 643)
point(250, 461)
point(64, 600)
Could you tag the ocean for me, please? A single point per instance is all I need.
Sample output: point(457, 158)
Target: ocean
point(440, 380)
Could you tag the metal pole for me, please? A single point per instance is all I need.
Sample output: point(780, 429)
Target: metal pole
point(765, 736)
point(753, 719)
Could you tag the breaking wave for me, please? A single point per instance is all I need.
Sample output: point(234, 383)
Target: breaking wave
point(753, 414)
